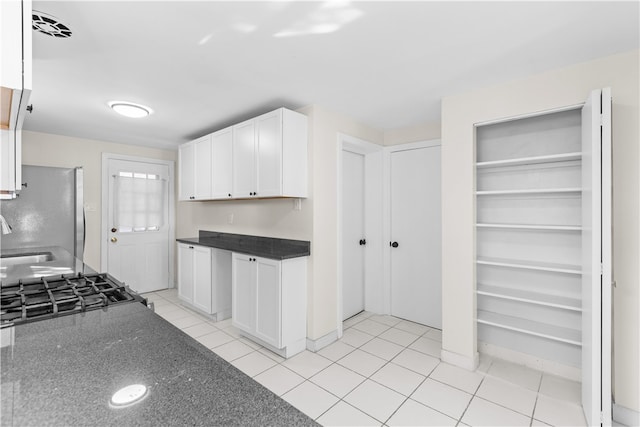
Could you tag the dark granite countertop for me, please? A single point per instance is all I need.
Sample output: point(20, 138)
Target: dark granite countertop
point(63, 371)
point(61, 262)
point(266, 247)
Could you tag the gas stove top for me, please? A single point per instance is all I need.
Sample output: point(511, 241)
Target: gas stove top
point(47, 297)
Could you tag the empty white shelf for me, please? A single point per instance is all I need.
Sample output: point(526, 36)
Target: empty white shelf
point(564, 157)
point(529, 191)
point(530, 265)
point(529, 327)
point(531, 227)
point(531, 297)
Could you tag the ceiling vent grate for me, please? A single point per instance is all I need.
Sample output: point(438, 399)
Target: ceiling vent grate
point(49, 25)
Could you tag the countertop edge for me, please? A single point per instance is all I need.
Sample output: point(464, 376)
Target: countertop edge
point(285, 253)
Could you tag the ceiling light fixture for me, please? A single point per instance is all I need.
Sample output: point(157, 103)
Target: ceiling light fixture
point(129, 109)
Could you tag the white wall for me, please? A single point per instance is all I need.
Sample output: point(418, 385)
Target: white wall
point(43, 149)
point(421, 132)
point(563, 87)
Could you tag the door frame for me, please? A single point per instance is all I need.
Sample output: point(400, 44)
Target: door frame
point(386, 214)
point(373, 196)
point(106, 157)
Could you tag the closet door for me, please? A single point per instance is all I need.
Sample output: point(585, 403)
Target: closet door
point(416, 278)
point(596, 257)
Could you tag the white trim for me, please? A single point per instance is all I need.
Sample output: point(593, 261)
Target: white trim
point(359, 146)
point(386, 215)
point(625, 416)
point(322, 342)
point(529, 115)
point(105, 207)
point(456, 359)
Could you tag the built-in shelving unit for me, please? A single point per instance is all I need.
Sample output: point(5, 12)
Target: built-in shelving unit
point(528, 234)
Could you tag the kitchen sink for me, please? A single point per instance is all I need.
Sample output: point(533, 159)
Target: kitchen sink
point(25, 258)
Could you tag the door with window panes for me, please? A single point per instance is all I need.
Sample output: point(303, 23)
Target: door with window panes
point(138, 246)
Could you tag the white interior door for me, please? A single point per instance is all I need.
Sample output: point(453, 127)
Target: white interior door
point(416, 283)
point(138, 226)
point(596, 258)
point(353, 239)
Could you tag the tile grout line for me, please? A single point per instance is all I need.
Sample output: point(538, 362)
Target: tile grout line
point(473, 396)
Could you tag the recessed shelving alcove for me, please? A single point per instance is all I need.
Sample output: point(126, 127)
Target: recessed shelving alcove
point(528, 236)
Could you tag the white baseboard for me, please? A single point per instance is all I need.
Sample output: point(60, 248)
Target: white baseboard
point(466, 362)
point(625, 416)
point(533, 362)
point(322, 342)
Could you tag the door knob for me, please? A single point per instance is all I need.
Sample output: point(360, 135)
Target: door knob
point(363, 242)
point(393, 245)
point(114, 239)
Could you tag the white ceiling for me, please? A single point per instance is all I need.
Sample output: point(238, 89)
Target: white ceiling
point(204, 65)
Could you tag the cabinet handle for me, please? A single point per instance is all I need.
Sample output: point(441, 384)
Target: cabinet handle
point(394, 244)
point(190, 247)
point(363, 242)
point(229, 194)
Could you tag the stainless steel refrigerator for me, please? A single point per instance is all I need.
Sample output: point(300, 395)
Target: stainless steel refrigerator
point(48, 211)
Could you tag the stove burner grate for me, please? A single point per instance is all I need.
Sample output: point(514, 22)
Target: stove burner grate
point(58, 295)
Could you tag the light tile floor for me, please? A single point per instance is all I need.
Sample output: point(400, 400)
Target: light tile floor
point(386, 372)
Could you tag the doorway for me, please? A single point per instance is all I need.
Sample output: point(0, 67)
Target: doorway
point(353, 236)
point(360, 210)
point(137, 221)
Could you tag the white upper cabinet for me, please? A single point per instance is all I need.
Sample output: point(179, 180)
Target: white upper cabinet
point(186, 164)
point(244, 165)
point(15, 43)
point(222, 164)
point(202, 169)
point(259, 158)
point(269, 144)
point(15, 82)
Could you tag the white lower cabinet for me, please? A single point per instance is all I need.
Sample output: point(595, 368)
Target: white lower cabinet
point(204, 279)
point(269, 301)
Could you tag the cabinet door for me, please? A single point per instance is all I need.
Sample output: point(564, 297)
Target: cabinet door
point(222, 164)
point(202, 168)
point(269, 154)
point(244, 159)
point(7, 155)
point(202, 286)
point(243, 292)
point(268, 305)
point(186, 162)
point(185, 272)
